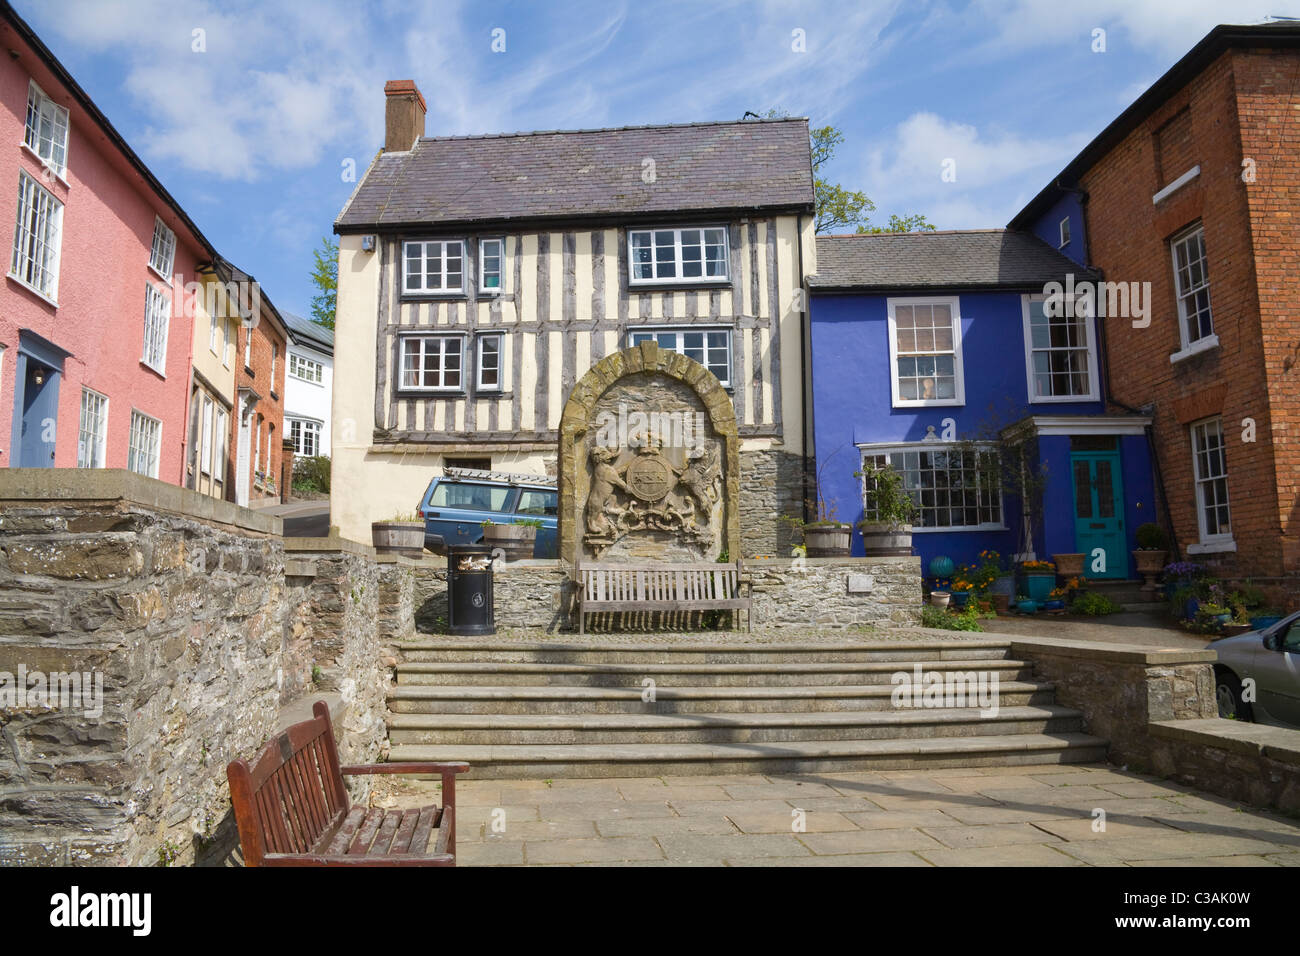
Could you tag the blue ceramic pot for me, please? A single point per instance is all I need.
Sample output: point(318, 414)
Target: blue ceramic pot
point(942, 567)
point(959, 598)
point(1027, 607)
point(1039, 584)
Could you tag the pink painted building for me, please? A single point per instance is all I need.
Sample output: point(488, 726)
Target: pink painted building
point(95, 349)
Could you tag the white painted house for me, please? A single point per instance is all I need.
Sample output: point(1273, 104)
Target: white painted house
point(309, 383)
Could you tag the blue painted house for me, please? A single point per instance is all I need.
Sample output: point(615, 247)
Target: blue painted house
point(940, 354)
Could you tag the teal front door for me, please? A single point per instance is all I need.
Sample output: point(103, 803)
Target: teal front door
point(1099, 513)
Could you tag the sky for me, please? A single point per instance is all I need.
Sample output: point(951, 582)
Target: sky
point(252, 114)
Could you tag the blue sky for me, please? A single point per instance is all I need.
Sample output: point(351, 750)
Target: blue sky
point(252, 134)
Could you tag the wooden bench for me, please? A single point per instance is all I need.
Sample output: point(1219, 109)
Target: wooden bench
point(293, 810)
point(662, 587)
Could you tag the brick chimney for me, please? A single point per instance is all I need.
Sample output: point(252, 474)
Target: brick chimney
point(403, 115)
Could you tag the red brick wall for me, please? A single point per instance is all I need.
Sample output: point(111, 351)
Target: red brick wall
point(1129, 241)
point(270, 408)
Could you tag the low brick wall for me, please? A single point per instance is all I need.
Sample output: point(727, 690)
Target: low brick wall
point(788, 593)
point(182, 605)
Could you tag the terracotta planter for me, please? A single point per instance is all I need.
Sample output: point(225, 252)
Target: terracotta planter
point(515, 540)
point(827, 540)
point(1001, 602)
point(1149, 564)
point(885, 539)
point(1070, 565)
point(398, 537)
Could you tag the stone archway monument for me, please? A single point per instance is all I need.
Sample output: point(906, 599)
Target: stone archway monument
point(649, 462)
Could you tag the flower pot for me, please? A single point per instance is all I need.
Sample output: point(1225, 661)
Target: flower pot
point(1054, 605)
point(939, 598)
point(1232, 630)
point(827, 540)
point(1001, 602)
point(942, 567)
point(1190, 607)
point(1003, 584)
point(1261, 621)
point(398, 537)
point(1069, 565)
point(516, 541)
point(960, 598)
point(1149, 564)
point(886, 539)
point(1027, 607)
point(1039, 584)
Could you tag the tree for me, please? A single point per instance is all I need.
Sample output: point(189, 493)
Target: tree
point(325, 277)
point(837, 207)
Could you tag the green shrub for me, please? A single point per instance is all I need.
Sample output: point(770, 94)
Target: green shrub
point(966, 620)
point(1094, 605)
point(1151, 537)
point(312, 474)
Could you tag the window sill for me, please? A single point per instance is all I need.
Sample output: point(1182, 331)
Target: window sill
point(157, 371)
point(1211, 341)
point(962, 527)
point(933, 403)
point(160, 275)
point(249, 372)
point(33, 290)
point(45, 164)
point(1176, 185)
point(454, 295)
point(666, 285)
point(405, 393)
point(1212, 547)
point(1060, 399)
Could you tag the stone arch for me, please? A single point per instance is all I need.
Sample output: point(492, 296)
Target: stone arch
point(576, 423)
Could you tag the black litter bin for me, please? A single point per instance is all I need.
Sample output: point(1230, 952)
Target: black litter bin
point(469, 590)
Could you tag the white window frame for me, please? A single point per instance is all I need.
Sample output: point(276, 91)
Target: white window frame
point(35, 199)
point(275, 355)
point(162, 252)
point(212, 334)
point(483, 287)
point(58, 117)
point(248, 348)
point(679, 331)
point(157, 315)
point(888, 449)
point(220, 444)
point(424, 337)
point(1094, 391)
point(296, 363)
point(425, 246)
point(99, 436)
point(959, 379)
point(207, 426)
point(1063, 233)
point(679, 279)
point(1210, 339)
point(227, 341)
point(1221, 541)
point(139, 422)
point(257, 446)
point(478, 361)
point(298, 428)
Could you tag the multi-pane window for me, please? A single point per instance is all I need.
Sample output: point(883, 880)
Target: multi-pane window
point(1060, 354)
point(93, 433)
point(710, 347)
point(1211, 472)
point(492, 254)
point(1192, 286)
point(489, 362)
point(678, 255)
point(953, 487)
point(925, 348)
point(47, 129)
point(431, 361)
point(163, 252)
point(143, 447)
point(157, 306)
point(435, 266)
point(304, 368)
point(37, 237)
point(305, 435)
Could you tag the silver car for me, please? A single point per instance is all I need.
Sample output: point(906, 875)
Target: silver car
point(1258, 674)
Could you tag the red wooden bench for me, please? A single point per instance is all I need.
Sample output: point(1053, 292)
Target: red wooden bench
point(293, 810)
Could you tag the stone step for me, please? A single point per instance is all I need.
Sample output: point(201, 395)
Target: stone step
point(525, 729)
point(560, 699)
point(693, 675)
point(700, 651)
point(808, 756)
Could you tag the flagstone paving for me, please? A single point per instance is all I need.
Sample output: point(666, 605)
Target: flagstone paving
point(995, 816)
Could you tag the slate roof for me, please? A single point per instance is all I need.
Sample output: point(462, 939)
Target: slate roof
point(313, 333)
point(959, 259)
point(698, 167)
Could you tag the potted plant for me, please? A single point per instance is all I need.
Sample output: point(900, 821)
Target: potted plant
point(889, 530)
point(939, 598)
point(1069, 565)
point(1151, 554)
point(1187, 584)
point(401, 534)
point(516, 540)
point(1040, 579)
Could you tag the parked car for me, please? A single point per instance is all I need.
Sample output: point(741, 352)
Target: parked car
point(456, 504)
point(1270, 658)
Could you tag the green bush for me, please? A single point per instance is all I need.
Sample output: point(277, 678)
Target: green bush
point(1151, 537)
point(1094, 605)
point(967, 620)
point(312, 474)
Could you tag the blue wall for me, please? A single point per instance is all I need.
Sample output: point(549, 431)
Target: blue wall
point(1048, 226)
point(852, 403)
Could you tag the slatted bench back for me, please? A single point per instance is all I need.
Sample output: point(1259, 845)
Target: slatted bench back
point(658, 583)
point(293, 794)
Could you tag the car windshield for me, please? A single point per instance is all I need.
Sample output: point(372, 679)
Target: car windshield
point(452, 494)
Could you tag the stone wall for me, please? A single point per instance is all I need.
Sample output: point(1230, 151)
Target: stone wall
point(181, 605)
point(771, 485)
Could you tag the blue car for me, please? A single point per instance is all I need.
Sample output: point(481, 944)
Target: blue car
point(456, 504)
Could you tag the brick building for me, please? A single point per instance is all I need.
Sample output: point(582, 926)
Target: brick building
point(257, 428)
point(1193, 189)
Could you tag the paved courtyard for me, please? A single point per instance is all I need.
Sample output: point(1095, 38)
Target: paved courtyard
point(997, 816)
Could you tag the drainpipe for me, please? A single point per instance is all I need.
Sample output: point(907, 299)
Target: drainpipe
point(805, 397)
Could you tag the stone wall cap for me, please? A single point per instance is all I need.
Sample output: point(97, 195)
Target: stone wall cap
point(1276, 743)
point(1117, 653)
point(325, 545)
point(117, 484)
